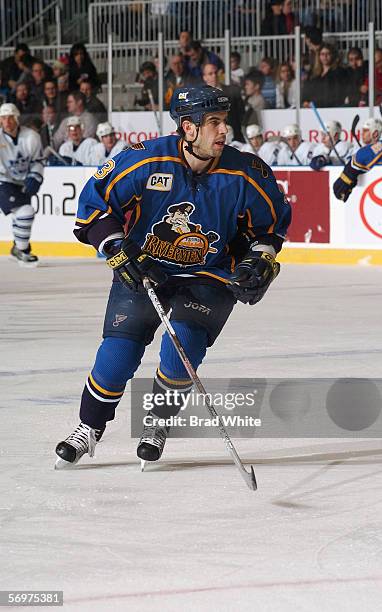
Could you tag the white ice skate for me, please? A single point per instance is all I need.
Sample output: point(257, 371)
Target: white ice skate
point(83, 440)
point(24, 258)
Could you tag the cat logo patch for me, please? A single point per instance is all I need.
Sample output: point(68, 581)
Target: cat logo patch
point(160, 182)
point(105, 169)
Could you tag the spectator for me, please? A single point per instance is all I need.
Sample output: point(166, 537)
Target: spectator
point(149, 94)
point(237, 73)
point(49, 127)
point(275, 21)
point(357, 72)
point(93, 104)
point(291, 19)
point(378, 76)
point(81, 67)
point(185, 40)
point(60, 67)
point(198, 56)
point(233, 92)
point(26, 103)
point(55, 98)
point(254, 101)
point(63, 84)
point(36, 77)
point(327, 87)
point(109, 144)
point(285, 87)
point(177, 76)
point(313, 41)
point(75, 104)
point(13, 67)
point(76, 150)
point(269, 86)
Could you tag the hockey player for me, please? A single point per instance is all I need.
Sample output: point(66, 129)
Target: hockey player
point(324, 153)
point(295, 151)
point(268, 151)
point(77, 150)
point(230, 139)
point(363, 160)
point(21, 175)
point(204, 223)
point(108, 146)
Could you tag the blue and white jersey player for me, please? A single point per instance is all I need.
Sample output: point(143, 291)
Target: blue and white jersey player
point(21, 175)
point(363, 160)
point(204, 222)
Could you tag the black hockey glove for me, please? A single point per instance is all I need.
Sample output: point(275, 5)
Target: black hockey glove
point(252, 276)
point(132, 265)
point(345, 183)
point(319, 161)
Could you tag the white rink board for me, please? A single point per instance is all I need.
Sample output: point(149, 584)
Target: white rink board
point(350, 227)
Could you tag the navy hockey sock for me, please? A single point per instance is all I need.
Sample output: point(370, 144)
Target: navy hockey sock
point(116, 362)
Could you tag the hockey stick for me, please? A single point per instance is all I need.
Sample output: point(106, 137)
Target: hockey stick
point(284, 141)
point(324, 129)
point(53, 152)
point(353, 128)
point(151, 98)
point(249, 477)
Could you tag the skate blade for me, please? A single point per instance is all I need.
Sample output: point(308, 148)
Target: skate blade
point(61, 464)
point(25, 264)
point(143, 465)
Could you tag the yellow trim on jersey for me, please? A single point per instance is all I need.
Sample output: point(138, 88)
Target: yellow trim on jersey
point(356, 163)
point(93, 215)
point(346, 179)
point(105, 391)
point(220, 278)
point(138, 198)
point(374, 161)
point(138, 165)
point(172, 381)
point(256, 186)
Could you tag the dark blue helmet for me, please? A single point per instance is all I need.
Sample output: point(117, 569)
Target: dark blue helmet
point(195, 102)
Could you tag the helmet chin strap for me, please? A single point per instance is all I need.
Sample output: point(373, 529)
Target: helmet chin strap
point(190, 149)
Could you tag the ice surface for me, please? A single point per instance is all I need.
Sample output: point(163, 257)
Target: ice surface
point(187, 534)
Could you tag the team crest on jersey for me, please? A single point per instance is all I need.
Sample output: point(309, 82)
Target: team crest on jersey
point(160, 182)
point(259, 165)
point(105, 169)
point(176, 240)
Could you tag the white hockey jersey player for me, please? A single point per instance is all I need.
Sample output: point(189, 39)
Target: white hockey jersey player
point(81, 154)
point(20, 157)
point(295, 151)
point(268, 151)
point(21, 175)
point(108, 146)
point(325, 149)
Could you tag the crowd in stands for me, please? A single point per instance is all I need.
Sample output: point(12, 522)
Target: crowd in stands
point(60, 100)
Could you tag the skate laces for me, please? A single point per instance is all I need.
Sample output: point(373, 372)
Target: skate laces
point(155, 435)
point(84, 439)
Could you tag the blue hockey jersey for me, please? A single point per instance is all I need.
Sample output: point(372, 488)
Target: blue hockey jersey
point(367, 157)
point(191, 223)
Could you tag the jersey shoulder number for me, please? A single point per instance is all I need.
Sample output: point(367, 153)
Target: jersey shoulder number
point(105, 169)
